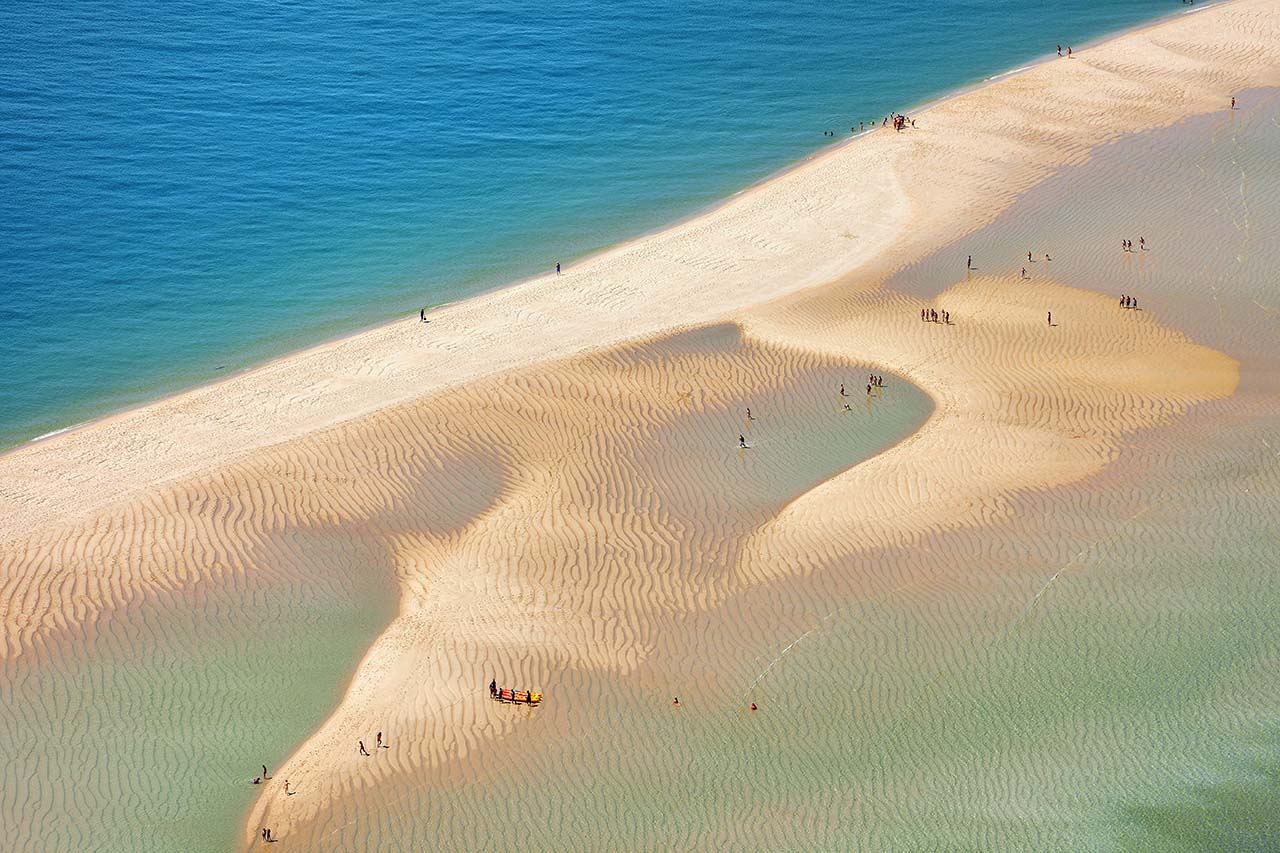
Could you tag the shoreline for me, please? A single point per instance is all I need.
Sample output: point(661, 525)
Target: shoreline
point(701, 270)
point(591, 257)
point(544, 484)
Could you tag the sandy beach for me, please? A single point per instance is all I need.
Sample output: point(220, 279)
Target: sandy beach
point(544, 484)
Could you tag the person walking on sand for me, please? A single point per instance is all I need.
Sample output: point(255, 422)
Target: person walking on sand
point(1142, 244)
point(378, 743)
point(842, 394)
point(1233, 102)
point(1024, 272)
point(749, 414)
point(1050, 318)
point(363, 751)
point(969, 263)
point(286, 788)
point(1029, 258)
point(742, 440)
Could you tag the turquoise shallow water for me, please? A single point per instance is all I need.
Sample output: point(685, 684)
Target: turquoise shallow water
point(190, 189)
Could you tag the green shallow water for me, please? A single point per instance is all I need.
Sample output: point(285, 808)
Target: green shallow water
point(144, 732)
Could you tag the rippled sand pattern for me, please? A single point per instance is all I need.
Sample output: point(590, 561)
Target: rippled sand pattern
point(235, 598)
point(943, 651)
point(1033, 609)
point(627, 512)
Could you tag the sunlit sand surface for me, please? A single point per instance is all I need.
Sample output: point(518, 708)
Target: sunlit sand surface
point(1021, 597)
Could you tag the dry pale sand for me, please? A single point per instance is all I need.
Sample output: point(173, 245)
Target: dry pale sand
point(548, 471)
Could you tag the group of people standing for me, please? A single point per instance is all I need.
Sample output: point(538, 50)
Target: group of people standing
point(1128, 244)
point(899, 121)
point(1128, 301)
point(932, 315)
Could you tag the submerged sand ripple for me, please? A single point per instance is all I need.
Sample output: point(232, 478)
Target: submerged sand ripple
point(585, 524)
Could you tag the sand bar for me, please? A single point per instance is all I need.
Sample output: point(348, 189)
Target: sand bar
point(791, 263)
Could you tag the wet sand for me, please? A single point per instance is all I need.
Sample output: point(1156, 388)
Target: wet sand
point(978, 612)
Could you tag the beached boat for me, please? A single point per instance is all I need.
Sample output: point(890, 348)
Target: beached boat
point(516, 697)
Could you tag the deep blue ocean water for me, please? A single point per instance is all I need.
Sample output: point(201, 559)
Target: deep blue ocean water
point(187, 189)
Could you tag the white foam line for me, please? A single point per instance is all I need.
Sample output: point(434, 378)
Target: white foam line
point(1004, 74)
point(55, 432)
